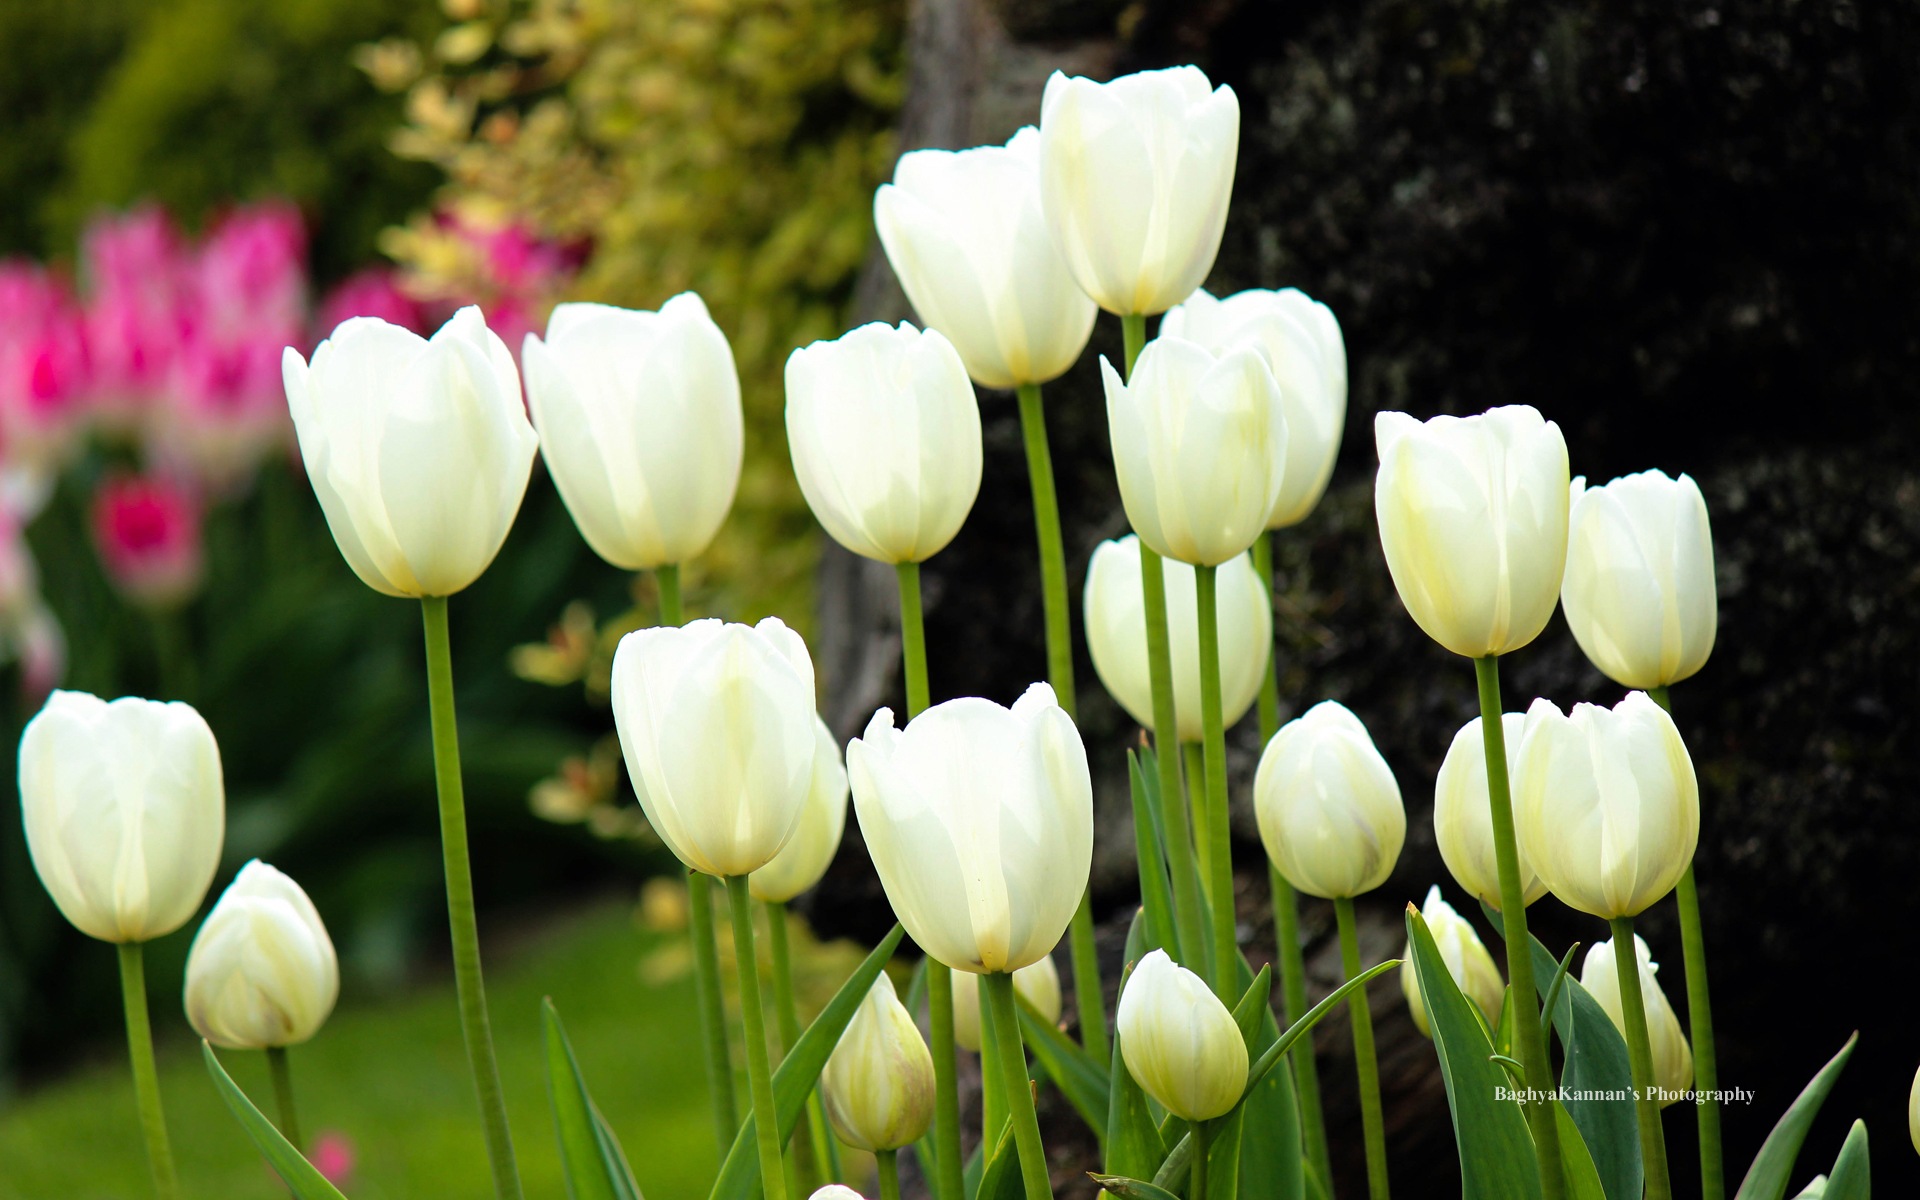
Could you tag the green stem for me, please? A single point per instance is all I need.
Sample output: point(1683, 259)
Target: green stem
point(1372, 1127)
point(283, 1095)
point(1133, 332)
point(1088, 999)
point(667, 579)
point(913, 638)
point(1530, 1043)
point(1197, 1173)
point(1270, 683)
point(806, 1149)
point(1193, 755)
point(460, 915)
point(1293, 989)
point(997, 990)
point(753, 1022)
point(889, 1174)
point(146, 1079)
point(993, 1116)
point(947, 1184)
point(713, 1015)
point(1187, 904)
point(1633, 1007)
point(1226, 948)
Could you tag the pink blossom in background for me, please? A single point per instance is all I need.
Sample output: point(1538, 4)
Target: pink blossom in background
point(516, 260)
point(332, 1154)
point(373, 292)
point(135, 267)
point(147, 529)
point(43, 365)
point(249, 279)
point(225, 408)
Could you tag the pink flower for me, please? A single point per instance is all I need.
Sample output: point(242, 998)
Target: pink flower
point(250, 277)
point(373, 292)
point(147, 529)
point(333, 1157)
point(43, 365)
point(137, 273)
point(224, 408)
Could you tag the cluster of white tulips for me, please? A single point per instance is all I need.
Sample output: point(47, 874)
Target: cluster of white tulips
point(978, 817)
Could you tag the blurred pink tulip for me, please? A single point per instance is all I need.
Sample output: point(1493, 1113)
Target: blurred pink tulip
point(332, 1155)
point(136, 271)
point(43, 366)
point(225, 408)
point(147, 528)
point(250, 277)
point(373, 292)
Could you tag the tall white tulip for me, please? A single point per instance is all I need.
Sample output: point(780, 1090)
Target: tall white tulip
point(966, 235)
point(1302, 342)
point(1179, 1042)
point(809, 853)
point(1466, 958)
point(718, 725)
point(418, 449)
point(1473, 519)
point(1639, 589)
point(878, 1082)
point(885, 434)
point(1199, 446)
point(1606, 803)
point(1672, 1056)
point(1463, 821)
point(639, 421)
point(125, 812)
point(1135, 176)
point(1328, 805)
point(1038, 983)
point(980, 823)
point(262, 970)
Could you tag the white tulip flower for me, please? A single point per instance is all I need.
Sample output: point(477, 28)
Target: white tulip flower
point(1179, 1042)
point(1672, 1056)
point(1467, 961)
point(1462, 820)
point(1038, 983)
point(878, 1082)
point(262, 971)
point(1328, 805)
point(810, 852)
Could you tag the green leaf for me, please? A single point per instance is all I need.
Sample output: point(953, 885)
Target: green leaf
point(1576, 1165)
point(301, 1178)
point(740, 1172)
point(1596, 1067)
point(1000, 1179)
point(1256, 1149)
point(1080, 1077)
point(1852, 1175)
point(1131, 1189)
point(1223, 1157)
point(1767, 1177)
point(590, 1156)
point(1253, 1004)
point(1133, 1147)
point(1156, 894)
point(1271, 1056)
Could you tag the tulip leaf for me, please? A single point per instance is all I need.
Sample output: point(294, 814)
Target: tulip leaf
point(1000, 1178)
point(300, 1176)
point(1131, 1189)
point(590, 1156)
point(1133, 1145)
point(1253, 1002)
point(1576, 1164)
point(1156, 894)
point(740, 1172)
point(1081, 1078)
point(1767, 1177)
point(1852, 1174)
point(1271, 1056)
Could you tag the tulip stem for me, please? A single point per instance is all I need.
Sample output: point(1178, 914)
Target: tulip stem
point(1530, 1043)
point(997, 990)
point(1197, 1173)
point(1193, 758)
point(1088, 997)
point(666, 578)
point(1633, 1006)
point(815, 1145)
point(1187, 903)
point(1372, 1127)
point(146, 1079)
point(465, 930)
point(913, 637)
point(713, 1015)
point(1270, 682)
point(1133, 334)
point(1226, 948)
point(282, 1075)
point(889, 1173)
point(753, 1023)
point(947, 1179)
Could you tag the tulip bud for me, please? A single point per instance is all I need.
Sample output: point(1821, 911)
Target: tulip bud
point(125, 812)
point(1473, 519)
point(1199, 446)
point(1303, 345)
point(1463, 820)
point(1466, 958)
point(1135, 175)
point(1672, 1057)
point(878, 1082)
point(262, 971)
point(1639, 589)
point(835, 1191)
point(823, 819)
point(718, 726)
point(639, 420)
point(1038, 983)
point(1180, 1044)
point(1606, 804)
point(1328, 805)
point(966, 235)
point(979, 820)
point(885, 434)
point(1117, 634)
point(1913, 1112)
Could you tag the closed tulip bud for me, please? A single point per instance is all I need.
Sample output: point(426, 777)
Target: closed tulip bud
point(1473, 519)
point(418, 449)
point(878, 1082)
point(979, 820)
point(1466, 958)
point(1462, 820)
point(1117, 634)
point(1639, 589)
point(1180, 1044)
point(125, 812)
point(1672, 1057)
point(885, 434)
point(718, 725)
point(966, 235)
point(1606, 804)
point(639, 420)
point(262, 971)
point(1038, 983)
point(1328, 805)
point(1135, 175)
point(1913, 1112)
point(1199, 446)
point(1303, 345)
point(806, 856)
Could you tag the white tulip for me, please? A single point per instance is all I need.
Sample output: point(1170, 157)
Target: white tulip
point(1038, 983)
point(262, 971)
point(1606, 804)
point(1466, 958)
point(1199, 446)
point(835, 1191)
point(979, 820)
point(1639, 589)
point(125, 812)
point(418, 449)
point(1672, 1056)
point(1473, 519)
point(639, 421)
point(966, 235)
point(810, 852)
point(717, 722)
point(1302, 342)
point(1328, 805)
point(885, 434)
point(1179, 1042)
point(1117, 634)
point(878, 1082)
point(1463, 820)
point(1135, 176)
point(1913, 1112)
